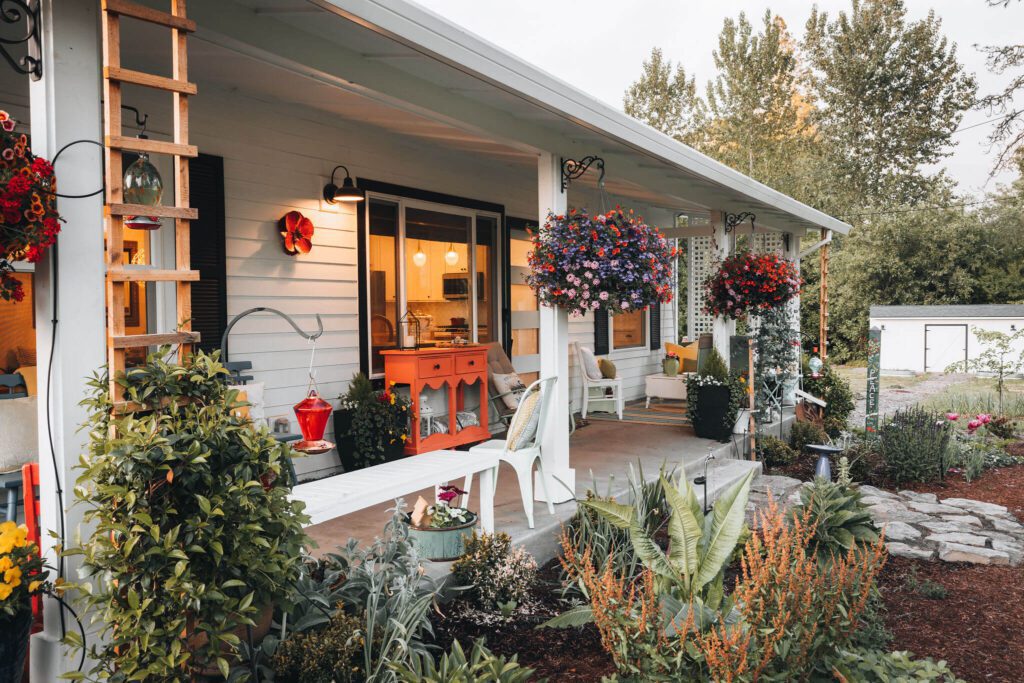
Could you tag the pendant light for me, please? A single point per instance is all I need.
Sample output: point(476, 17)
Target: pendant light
point(452, 257)
point(142, 185)
point(419, 258)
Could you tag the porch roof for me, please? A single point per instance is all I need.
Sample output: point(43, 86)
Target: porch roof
point(406, 57)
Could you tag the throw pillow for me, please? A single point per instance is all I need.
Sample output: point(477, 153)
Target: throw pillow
point(687, 354)
point(607, 368)
point(509, 387)
point(590, 366)
point(524, 424)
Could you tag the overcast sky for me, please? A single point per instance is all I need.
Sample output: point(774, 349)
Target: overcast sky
point(599, 45)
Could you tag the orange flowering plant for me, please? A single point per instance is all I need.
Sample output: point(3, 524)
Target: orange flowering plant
point(22, 573)
point(28, 205)
point(748, 283)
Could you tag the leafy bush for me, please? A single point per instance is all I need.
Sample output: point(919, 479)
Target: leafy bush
point(832, 388)
point(914, 443)
point(482, 666)
point(326, 655)
point(803, 433)
point(714, 366)
point(840, 521)
point(380, 420)
point(1002, 427)
point(774, 452)
point(496, 572)
point(190, 533)
point(865, 458)
point(872, 666)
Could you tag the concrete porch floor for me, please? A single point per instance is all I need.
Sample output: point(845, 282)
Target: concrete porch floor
point(601, 454)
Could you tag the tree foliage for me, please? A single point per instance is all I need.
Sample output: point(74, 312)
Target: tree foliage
point(1008, 133)
point(665, 99)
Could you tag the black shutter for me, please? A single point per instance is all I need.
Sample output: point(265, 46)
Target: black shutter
point(654, 315)
point(601, 346)
point(210, 294)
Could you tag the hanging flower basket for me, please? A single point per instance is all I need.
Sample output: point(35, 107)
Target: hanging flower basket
point(613, 262)
point(748, 283)
point(27, 204)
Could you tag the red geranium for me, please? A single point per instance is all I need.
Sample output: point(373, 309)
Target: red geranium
point(297, 231)
point(747, 282)
point(27, 206)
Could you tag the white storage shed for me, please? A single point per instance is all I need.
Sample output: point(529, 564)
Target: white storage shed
point(931, 338)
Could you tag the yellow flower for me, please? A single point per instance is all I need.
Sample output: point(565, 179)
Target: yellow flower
point(12, 536)
point(13, 576)
point(5, 563)
point(404, 437)
point(5, 591)
point(34, 586)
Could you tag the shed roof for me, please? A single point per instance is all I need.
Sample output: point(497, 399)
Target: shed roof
point(942, 311)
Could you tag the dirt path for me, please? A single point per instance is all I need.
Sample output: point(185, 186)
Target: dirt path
point(898, 392)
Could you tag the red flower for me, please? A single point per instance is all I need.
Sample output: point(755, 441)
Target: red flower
point(297, 231)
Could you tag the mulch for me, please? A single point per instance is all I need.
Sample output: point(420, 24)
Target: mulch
point(978, 628)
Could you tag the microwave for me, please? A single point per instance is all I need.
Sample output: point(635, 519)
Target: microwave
point(456, 286)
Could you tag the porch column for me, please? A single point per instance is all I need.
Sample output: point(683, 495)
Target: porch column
point(723, 327)
point(554, 353)
point(791, 250)
point(65, 106)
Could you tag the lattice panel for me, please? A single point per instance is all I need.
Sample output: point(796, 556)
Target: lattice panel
point(700, 264)
point(768, 242)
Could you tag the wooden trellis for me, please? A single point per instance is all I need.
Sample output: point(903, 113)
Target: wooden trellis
point(119, 273)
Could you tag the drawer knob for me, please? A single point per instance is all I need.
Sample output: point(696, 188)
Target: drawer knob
point(472, 362)
point(437, 366)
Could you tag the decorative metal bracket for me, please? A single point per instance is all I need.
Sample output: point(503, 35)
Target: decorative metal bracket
point(264, 309)
point(13, 12)
point(732, 220)
point(572, 169)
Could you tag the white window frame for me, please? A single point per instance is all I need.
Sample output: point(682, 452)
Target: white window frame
point(631, 351)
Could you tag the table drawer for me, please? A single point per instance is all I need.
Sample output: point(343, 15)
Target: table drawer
point(435, 366)
point(470, 363)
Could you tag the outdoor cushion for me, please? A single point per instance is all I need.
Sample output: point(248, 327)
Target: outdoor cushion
point(509, 387)
point(590, 366)
point(687, 354)
point(607, 368)
point(524, 423)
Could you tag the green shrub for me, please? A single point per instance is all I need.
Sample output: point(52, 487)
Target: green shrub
point(832, 388)
point(865, 458)
point(840, 519)
point(1002, 427)
point(914, 444)
point(191, 531)
point(714, 366)
point(327, 655)
point(803, 433)
point(481, 666)
point(774, 452)
point(495, 572)
point(872, 666)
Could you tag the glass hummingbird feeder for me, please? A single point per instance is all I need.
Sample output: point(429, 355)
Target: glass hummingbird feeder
point(143, 185)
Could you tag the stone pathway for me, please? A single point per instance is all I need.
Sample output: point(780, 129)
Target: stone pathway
point(920, 526)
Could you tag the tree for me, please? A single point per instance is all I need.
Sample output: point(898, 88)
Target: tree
point(1002, 357)
point(1008, 132)
point(891, 94)
point(665, 99)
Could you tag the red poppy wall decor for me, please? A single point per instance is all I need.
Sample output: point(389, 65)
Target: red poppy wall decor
point(296, 233)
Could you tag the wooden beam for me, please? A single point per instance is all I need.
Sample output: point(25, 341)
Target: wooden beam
point(823, 299)
point(149, 80)
point(136, 11)
point(159, 211)
point(131, 341)
point(151, 275)
point(122, 142)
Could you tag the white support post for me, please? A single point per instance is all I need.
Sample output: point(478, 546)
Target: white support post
point(723, 327)
point(65, 106)
point(791, 251)
point(554, 353)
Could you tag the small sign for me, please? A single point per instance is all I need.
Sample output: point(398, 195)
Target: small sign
point(874, 380)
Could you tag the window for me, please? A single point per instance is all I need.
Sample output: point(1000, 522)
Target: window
point(629, 330)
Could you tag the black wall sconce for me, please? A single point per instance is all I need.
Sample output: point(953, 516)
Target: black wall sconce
point(348, 192)
point(14, 12)
point(572, 169)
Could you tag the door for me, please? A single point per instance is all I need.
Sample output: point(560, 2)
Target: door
point(943, 346)
point(524, 313)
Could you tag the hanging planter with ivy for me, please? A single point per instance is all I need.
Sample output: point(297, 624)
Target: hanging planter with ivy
point(27, 205)
point(749, 283)
point(613, 262)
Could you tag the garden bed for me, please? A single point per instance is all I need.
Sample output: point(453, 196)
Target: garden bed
point(1000, 485)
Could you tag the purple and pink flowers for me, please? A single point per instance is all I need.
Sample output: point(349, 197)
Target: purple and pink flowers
point(613, 262)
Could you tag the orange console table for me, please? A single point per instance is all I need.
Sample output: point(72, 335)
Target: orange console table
point(451, 384)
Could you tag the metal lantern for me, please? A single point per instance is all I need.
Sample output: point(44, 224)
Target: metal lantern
point(408, 329)
point(143, 185)
point(426, 413)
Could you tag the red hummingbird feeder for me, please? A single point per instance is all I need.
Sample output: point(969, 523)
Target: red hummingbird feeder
point(312, 414)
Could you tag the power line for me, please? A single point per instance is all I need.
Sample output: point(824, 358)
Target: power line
point(922, 208)
point(984, 123)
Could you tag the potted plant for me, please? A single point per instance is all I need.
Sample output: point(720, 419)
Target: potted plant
point(22, 575)
point(670, 364)
point(750, 283)
point(439, 531)
point(714, 398)
point(371, 426)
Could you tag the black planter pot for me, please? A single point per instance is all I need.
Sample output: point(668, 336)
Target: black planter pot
point(351, 460)
point(713, 409)
point(14, 645)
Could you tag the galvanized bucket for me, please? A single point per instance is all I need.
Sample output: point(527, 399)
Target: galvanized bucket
point(442, 545)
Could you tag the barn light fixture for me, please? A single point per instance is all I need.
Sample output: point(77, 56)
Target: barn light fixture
point(348, 192)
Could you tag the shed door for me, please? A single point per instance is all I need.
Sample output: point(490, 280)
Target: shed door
point(943, 346)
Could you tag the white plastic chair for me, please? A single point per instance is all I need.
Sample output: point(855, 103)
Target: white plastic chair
point(601, 385)
point(526, 451)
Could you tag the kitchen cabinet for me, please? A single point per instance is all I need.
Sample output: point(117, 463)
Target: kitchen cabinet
point(425, 283)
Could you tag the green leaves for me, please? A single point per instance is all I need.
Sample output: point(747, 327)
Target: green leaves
point(726, 527)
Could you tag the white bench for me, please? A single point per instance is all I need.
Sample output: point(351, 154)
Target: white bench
point(343, 494)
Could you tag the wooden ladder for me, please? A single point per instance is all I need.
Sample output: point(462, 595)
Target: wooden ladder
point(119, 273)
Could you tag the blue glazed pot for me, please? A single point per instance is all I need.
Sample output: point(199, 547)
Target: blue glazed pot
point(442, 545)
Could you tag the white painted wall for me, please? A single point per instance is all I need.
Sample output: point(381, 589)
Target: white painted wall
point(903, 339)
